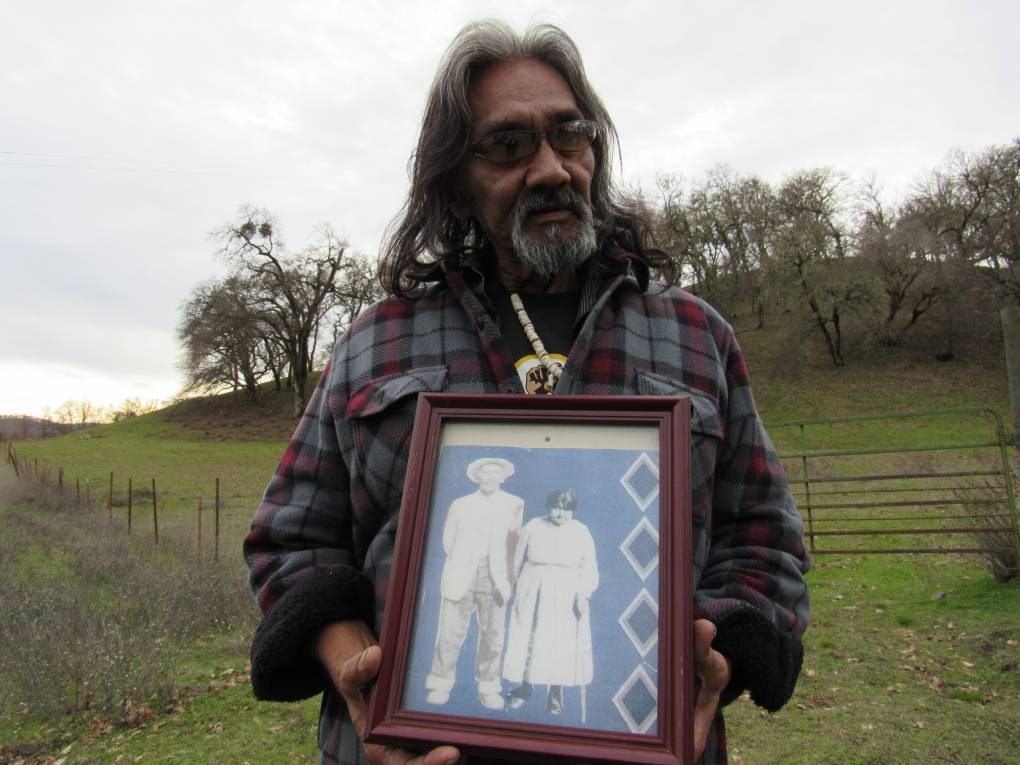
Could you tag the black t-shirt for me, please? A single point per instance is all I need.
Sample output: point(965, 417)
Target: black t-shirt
point(552, 314)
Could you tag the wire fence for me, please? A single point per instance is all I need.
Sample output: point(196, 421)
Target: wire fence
point(138, 505)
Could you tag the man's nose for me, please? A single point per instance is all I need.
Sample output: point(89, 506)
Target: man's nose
point(546, 168)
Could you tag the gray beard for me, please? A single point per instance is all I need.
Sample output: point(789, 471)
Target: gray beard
point(557, 249)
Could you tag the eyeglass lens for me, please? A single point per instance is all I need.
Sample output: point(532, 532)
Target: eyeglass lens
point(508, 145)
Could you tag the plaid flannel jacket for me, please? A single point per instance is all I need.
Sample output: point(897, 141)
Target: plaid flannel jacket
point(320, 545)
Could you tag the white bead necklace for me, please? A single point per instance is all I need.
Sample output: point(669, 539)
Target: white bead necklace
point(553, 367)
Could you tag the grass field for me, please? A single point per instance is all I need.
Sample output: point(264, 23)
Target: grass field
point(912, 659)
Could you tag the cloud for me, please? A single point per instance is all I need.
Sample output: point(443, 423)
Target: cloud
point(127, 136)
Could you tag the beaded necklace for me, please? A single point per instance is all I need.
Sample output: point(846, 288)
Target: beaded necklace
point(553, 367)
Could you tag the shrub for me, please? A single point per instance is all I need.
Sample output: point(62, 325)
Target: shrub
point(95, 619)
point(988, 517)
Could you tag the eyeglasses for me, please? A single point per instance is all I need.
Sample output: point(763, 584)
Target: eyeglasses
point(510, 145)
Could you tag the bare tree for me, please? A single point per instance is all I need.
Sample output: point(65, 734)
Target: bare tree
point(719, 229)
point(994, 176)
point(297, 292)
point(222, 339)
point(743, 210)
point(686, 228)
point(904, 255)
point(811, 245)
point(78, 413)
point(972, 205)
point(360, 287)
point(133, 407)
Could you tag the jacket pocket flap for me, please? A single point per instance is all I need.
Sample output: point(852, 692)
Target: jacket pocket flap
point(705, 417)
point(376, 395)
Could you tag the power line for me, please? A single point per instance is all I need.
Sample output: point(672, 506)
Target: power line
point(152, 166)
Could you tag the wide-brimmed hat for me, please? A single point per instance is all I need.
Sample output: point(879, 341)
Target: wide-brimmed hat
point(505, 465)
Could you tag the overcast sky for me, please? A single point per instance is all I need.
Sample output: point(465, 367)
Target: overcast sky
point(130, 130)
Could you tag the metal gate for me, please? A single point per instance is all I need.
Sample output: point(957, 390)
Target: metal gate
point(924, 482)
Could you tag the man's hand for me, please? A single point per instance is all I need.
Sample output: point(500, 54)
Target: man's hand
point(352, 656)
point(711, 676)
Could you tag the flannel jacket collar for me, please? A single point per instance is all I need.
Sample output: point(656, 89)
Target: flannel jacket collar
point(612, 261)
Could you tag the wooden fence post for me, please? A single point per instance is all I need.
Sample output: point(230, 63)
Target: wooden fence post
point(216, 543)
point(1010, 318)
point(199, 527)
point(77, 491)
point(155, 518)
point(109, 498)
point(130, 499)
point(88, 495)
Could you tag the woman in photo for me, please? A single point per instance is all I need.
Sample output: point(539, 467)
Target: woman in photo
point(549, 640)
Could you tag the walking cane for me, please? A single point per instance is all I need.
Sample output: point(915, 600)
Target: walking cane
point(577, 669)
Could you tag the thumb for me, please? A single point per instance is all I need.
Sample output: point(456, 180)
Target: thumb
point(359, 671)
point(704, 634)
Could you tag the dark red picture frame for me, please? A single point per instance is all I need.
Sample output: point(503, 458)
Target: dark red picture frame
point(671, 743)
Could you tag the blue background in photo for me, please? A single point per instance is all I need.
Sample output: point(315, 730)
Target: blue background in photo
point(609, 513)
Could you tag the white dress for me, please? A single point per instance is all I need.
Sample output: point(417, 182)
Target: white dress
point(547, 643)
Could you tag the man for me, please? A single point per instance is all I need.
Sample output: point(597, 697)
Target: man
point(480, 538)
point(514, 250)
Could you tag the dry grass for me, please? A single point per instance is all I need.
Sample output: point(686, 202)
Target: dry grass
point(94, 619)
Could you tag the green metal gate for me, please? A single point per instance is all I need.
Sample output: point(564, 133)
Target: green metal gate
point(937, 481)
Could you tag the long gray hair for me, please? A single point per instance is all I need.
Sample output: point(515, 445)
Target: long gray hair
point(426, 231)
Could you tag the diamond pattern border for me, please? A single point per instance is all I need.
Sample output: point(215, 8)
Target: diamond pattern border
point(645, 462)
point(643, 526)
point(645, 645)
point(637, 676)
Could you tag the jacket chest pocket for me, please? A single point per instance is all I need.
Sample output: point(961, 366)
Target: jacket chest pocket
point(381, 417)
point(707, 435)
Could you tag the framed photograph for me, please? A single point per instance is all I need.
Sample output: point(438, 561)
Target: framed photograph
point(540, 600)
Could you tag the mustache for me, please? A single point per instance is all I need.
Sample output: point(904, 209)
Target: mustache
point(563, 198)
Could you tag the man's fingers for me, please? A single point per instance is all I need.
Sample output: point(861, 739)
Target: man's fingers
point(703, 717)
point(444, 755)
point(391, 755)
point(712, 673)
point(356, 676)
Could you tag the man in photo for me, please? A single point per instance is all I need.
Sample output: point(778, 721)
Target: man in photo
point(479, 539)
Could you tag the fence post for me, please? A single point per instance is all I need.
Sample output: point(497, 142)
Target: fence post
point(1010, 318)
point(60, 478)
point(130, 500)
point(77, 490)
point(88, 495)
point(109, 498)
point(1007, 478)
point(199, 527)
point(155, 518)
point(216, 529)
point(807, 487)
